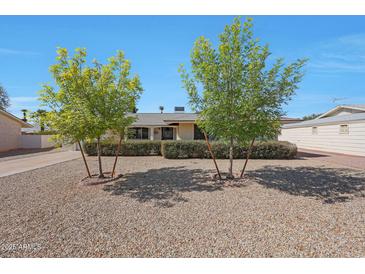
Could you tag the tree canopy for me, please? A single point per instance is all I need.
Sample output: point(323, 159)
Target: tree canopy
point(4, 98)
point(39, 117)
point(236, 90)
point(90, 99)
point(311, 116)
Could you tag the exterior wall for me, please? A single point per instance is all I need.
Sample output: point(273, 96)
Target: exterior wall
point(36, 141)
point(10, 132)
point(185, 131)
point(329, 138)
point(156, 133)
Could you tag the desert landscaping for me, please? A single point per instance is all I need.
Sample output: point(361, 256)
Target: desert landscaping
point(173, 208)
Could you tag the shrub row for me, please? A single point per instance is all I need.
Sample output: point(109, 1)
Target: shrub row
point(195, 149)
point(198, 149)
point(128, 148)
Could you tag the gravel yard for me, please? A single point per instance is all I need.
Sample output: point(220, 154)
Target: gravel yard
point(172, 208)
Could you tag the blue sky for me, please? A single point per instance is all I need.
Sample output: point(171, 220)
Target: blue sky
point(156, 45)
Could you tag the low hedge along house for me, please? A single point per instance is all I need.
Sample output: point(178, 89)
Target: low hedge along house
point(194, 149)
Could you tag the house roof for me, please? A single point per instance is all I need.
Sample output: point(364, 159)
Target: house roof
point(16, 119)
point(360, 107)
point(328, 120)
point(165, 119)
point(284, 118)
point(162, 119)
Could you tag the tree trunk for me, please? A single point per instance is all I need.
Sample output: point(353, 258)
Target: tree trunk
point(116, 155)
point(83, 157)
point(101, 174)
point(211, 154)
point(247, 157)
point(230, 169)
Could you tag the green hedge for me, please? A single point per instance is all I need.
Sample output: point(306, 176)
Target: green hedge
point(195, 149)
point(128, 148)
point(198, 149)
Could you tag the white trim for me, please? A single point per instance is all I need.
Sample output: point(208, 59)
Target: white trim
point(324, 124)
point(338, 108)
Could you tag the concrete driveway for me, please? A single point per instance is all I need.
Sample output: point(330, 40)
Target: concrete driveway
point(17, 165)
point(350, 161)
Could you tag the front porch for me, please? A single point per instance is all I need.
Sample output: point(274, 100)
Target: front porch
point(163, 133)
point(176, 131)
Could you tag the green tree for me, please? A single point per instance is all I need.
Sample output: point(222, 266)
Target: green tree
point(4, 98)
point(121, 98)
point(109, 97)
point(39, 117)
point(67, 114)
point(25, 113)
point(311, 116)
point(91, 99)
point(237, 96)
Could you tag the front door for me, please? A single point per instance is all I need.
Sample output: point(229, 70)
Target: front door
point(167, 133)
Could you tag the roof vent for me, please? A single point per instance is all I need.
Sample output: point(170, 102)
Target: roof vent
point(179, 109)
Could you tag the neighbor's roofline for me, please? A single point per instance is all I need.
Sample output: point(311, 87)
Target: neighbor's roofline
point(13, 117)
point(337, 108)
point(334, 120)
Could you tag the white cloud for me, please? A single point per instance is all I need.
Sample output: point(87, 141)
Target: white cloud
point(5, 51)
point(337, 66)
point(343, 54)
point(24, 99)
point(353, 40)
point(23, 102)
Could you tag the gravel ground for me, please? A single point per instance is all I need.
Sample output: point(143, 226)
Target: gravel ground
point(172, 208)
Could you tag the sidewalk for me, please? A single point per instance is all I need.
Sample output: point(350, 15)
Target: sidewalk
point(13, 166)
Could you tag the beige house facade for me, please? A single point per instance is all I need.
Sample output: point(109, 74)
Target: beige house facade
point(171, 126)
point(340, 130)
point(165, 126)
point(10, 131)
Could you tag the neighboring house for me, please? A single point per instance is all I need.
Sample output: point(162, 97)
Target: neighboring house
point(340, 130)
point(10, 131)
point(171, 126)
point(287, 120)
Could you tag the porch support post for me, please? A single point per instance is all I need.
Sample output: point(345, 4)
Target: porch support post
point(177, 132)
point(152, 137)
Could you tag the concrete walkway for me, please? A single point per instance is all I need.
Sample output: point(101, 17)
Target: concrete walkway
point(350, 161)
point(13, 166)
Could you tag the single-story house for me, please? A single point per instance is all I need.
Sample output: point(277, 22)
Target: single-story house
point(339, 130)
point(179, 125)
point(10, 131)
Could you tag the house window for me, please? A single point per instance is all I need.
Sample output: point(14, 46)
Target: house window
point(198, 133)
point(167, 133)
point(344, 129)
point(138, 133)
point(314, 130)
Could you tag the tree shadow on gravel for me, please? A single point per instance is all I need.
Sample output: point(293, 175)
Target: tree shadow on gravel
point(164, 186)
point(305, 154)
point(331, 185)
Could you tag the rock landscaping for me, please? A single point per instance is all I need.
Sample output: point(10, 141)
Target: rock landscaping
point(173, 208)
